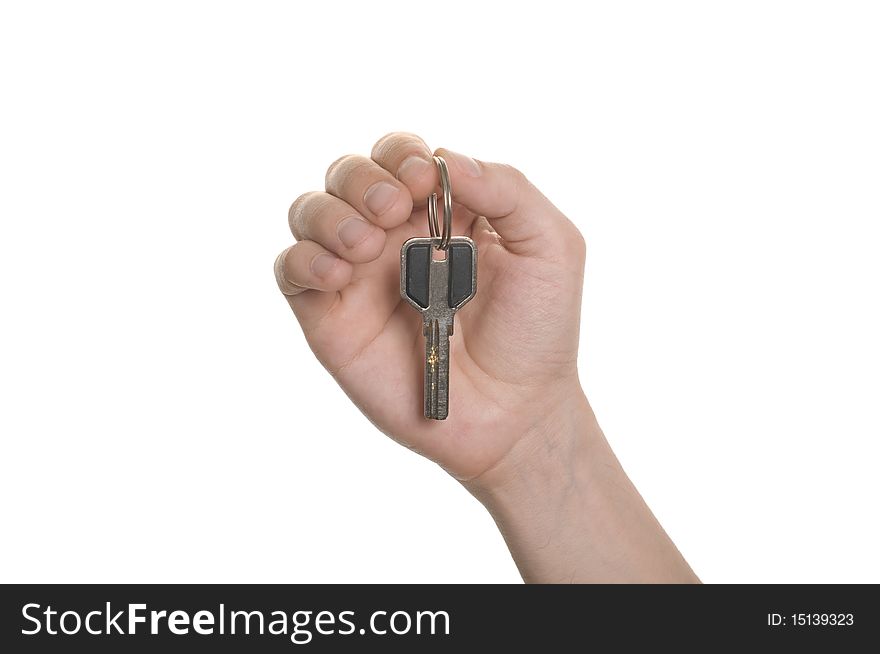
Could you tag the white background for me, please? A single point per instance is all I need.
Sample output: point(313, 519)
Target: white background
point(161, 416)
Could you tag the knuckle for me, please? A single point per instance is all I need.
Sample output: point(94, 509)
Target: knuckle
point(381, 145)
point(343, 170)
point(284, 285)
point(296, 213)
point(341, 164)
point(394, 142)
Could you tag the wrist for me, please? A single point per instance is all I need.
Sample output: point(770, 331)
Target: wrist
point(568, 511)
point(547, 458)
point(536, 492)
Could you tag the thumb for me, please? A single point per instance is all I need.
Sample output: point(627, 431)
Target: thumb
point(526, 221)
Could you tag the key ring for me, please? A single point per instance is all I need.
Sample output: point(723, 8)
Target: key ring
point(442, 240)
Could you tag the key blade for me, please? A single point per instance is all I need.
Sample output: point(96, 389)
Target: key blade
point(438, 320)
point(436, 370)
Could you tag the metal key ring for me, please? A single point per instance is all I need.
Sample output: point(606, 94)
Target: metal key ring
point(433, 222)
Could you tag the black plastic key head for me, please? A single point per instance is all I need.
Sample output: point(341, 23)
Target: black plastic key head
point(416, 272)
point(439, 286)
point(461, 257)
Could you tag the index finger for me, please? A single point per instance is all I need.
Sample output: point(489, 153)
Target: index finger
point(410, 160)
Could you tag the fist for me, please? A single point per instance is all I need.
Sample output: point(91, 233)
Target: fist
point(513, 356)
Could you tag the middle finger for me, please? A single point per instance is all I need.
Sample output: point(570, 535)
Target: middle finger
point(370, 189)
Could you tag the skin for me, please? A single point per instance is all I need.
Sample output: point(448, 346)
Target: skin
point(520, 435)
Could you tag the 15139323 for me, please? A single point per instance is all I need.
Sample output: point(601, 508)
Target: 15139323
point(810, 620)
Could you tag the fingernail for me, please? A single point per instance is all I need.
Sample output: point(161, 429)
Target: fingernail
point(352, 230)
point(322, 264)
point(380, 196)
point(412, 169)
point(465, 164)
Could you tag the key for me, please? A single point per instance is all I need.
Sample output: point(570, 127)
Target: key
point(438, 288)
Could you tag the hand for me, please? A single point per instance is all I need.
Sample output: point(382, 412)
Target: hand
point(513, 356)
point(520, 434)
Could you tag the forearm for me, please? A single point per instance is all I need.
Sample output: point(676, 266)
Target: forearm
point(568, 511)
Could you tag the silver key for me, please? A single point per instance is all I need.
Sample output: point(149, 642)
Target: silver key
point(438, 288)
